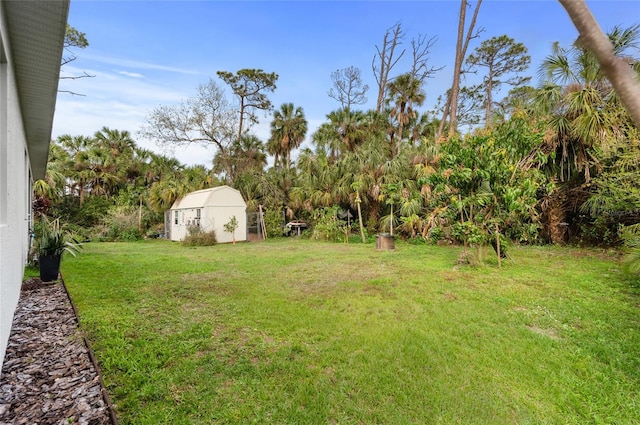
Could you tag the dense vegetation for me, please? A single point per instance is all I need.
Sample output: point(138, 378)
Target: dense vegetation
point(553, 163)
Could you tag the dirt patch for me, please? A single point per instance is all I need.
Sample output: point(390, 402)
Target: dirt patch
point(549, 333)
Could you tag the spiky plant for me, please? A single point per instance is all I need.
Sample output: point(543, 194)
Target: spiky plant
point(631, 237)
point(54, 240)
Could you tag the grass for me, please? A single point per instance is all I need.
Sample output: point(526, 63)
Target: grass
point(299, 332)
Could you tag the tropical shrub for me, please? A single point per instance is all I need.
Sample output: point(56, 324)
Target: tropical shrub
point(327, 226)
point(197, 237)
point(484, 181)
point(631, 237)
point(121, 223)
point(273, 222)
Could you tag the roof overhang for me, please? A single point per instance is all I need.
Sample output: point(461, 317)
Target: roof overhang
point(36, 30)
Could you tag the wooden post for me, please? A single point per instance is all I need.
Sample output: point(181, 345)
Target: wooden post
point(358, 201)
point(498, 246)
point(263, 227)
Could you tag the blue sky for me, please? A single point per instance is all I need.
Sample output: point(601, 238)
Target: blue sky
point(150, 53)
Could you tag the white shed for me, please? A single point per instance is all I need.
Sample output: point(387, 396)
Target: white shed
point(210, 209)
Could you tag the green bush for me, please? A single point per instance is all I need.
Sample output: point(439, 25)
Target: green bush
point(197, 237)
point(631, 237)
point(328, 227)
point(120, 224)
point(273, 222)
point(435, 234)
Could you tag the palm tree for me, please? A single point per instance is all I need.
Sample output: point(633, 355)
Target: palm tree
point(164, 193)
point(364, 170)
point(54, 184)
point(244, 156)
point(583, 110)
point(404, 92)
point(584, 118)
point(423, 128)
point(288, 130)
point(327, 140)
point(117, 142)
point(350, 127)
point(173, 186)
point(319, 184)
point(121, 149)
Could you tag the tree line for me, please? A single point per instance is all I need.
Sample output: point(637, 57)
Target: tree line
point(556, 162)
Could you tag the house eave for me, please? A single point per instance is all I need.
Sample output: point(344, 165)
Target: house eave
point(36, 30)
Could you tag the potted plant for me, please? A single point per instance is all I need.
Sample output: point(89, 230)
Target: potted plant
point(52, 243)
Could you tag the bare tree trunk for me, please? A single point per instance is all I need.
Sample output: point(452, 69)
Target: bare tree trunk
point(387, 61)
point(617, 70)
point(487, 115)
point(140, 215)
point(447, 108)
point(241, 119)
point(358, 201)
point(455, 87)
point(461, 51)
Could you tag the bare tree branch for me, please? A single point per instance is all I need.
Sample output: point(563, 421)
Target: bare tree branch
point(387, 61)
point(347, 87)
point(71, 93)
point(73, 39)
point(206, 119)
point(421, 47)
point(75, 77)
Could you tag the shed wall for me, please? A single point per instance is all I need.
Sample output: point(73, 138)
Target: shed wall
point(218, 216)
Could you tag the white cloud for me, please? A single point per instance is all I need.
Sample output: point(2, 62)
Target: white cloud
point(129, 74)
point(135, 64)
point(121, 100)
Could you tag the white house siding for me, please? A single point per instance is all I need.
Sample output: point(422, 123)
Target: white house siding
point(23, 131)
point(14, 190)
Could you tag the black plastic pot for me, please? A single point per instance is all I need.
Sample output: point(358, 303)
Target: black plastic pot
point(49, 267)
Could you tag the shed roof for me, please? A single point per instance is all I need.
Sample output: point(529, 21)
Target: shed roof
point(36, 34)
point(220, 195)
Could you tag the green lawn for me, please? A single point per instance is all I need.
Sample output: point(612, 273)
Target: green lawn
point(300, 332)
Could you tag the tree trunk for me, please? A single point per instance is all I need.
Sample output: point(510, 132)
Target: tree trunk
point(358, 201)
point(140, 216)
point(455, 87)
point(382, 79)
point(400, 130)
point(241, 120)
point(451, 109)
point(617, 70)
point(387, 61)
point(487, 116)
point(447, 109)
point(498, 246)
